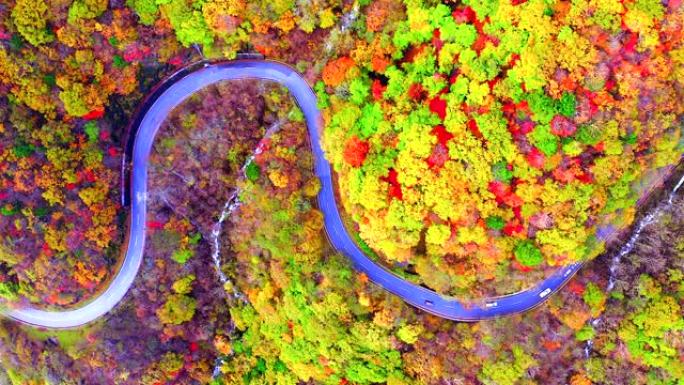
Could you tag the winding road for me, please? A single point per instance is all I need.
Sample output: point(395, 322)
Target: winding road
point(152, 114)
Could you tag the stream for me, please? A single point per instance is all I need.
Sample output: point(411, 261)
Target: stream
point(232, 204)
point(628, 247)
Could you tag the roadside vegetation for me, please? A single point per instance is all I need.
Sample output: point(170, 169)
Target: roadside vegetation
point(478, 146)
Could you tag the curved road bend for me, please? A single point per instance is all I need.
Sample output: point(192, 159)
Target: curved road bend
point(187, 82)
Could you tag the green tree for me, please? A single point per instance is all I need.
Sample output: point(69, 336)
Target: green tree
point(527, 253)
point(30, 17)
point(177, 309)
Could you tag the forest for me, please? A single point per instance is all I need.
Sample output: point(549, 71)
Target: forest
point(478, 145)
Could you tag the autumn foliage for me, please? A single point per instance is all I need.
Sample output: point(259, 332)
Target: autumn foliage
point(531, 112)
point(478, 146)
point(355, 151)
point(336, 70)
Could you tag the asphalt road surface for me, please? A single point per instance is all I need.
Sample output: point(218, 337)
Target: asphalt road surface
point(153, 113)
